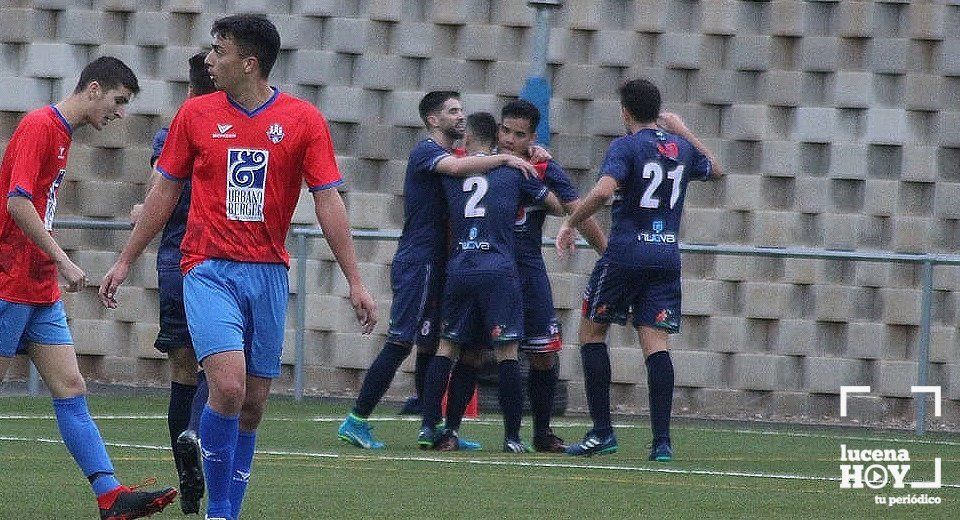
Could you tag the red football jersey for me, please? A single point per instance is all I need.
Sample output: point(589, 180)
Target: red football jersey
point(33, 167)
point(246, 170)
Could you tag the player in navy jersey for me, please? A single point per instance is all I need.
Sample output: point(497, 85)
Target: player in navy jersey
point(418, 266)
point(542, 341)
point(481, 298)
point(646, 173)
point(188, 389)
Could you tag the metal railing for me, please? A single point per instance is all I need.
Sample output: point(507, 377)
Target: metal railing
point(301, 235)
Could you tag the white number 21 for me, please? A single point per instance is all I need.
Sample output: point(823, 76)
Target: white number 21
point(654, 170)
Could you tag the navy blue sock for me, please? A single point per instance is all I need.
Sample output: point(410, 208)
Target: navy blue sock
point(242, 462)
point(218, 438)
point(596, 379)
point(660, 382)
point(379, 377)
point(542, 385)
point(511, 397)
point(178, 410)
point(199, 401)
point(463, 382)
point(84, 442)
point(433, 388)
point(420, 371)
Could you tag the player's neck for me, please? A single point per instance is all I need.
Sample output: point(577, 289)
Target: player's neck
point(442, 139)
point(634, 127)
point(252, 96)
point(72, 110)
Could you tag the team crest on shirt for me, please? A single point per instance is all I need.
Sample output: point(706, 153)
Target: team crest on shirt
point(670, 150)
point(246, 180)
point(275, 133)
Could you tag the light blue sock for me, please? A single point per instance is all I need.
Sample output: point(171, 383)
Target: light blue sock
point(218, 440)
point(242, 461)
point(83, 440)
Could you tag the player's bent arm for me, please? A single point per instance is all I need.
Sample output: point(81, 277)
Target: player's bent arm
point(157, 208)
point(589, 228)
point(25, 215)
point(473, 165)
point(553, 205)
point(597, 197)
point(674, 124)
point(332, 215)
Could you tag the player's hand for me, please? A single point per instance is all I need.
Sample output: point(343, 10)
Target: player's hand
point(672, 123)
point(538, 154)
point(566, 237)
point(135, 213)
point(528, 170)
point(364, 306)
point(108, 287)
point(71, 272)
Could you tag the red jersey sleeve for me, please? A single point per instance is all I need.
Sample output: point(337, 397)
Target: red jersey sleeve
point(33, 146)
point(319, 164)
point(176, 159)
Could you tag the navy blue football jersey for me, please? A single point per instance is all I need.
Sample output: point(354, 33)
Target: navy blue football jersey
point(482, 212)
point(530, 218)
point(168, 252)
point(424, 236)
point(652, 169)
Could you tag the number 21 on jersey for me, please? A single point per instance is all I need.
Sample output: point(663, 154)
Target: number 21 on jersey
point(654, 171)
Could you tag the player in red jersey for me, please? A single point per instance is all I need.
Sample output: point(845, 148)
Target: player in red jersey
point(247, 150)
point(32, 317)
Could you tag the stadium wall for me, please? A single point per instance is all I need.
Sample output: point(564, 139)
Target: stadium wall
point(838, 124)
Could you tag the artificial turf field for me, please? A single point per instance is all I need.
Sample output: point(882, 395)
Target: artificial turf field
point(721, 470)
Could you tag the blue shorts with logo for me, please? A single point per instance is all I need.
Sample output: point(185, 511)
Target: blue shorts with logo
point(238, 306)
point(25, 323)
point(482, 309)
point(416, 303)
point(651, 294)
point(174, 332)
point(541, 330)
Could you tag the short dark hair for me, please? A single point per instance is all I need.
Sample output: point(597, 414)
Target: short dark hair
point(200, 80)
point(483, 126)
point(254, 35)
point(434, 101)
point(522, 109)
point(110, 73)
point(641, 98)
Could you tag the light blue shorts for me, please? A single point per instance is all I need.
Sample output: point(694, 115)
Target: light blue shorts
point(238, 306)
point(24, 323)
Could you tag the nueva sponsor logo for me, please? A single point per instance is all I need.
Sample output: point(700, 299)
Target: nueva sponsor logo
point(656, 235)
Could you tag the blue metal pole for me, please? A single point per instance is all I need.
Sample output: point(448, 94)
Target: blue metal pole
point(301, 317)
point(537, 88)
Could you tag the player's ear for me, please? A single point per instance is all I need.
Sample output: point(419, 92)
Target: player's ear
point(93, 90)
point(250, 64)
point(432, 121)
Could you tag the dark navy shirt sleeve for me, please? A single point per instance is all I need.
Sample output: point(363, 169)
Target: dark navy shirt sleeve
point(616, 163)
point(701, 168)
point(426, 155)
point(559, 183)
point(158, 139)
point(532, 189)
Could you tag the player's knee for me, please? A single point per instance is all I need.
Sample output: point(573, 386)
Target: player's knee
point(69, 385)
point(508, 352)
point(250, 416)
point(543, 360)
point(183, 370)
point(471, 357)
point(227, 396)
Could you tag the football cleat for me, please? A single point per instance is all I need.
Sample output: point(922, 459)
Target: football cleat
point(126, 503)
point(186, 453)
point(549, 443)
point(427, 438)
point(661, 451)
point(515, 446)
point(357, 431)
point(449, 441)
point(593, 444)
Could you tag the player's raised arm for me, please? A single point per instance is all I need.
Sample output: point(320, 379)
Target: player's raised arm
point(156, 211)
point(674, 124)
point(466, 166)
point(332, 215)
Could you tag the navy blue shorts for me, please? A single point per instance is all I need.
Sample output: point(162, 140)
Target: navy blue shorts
point(238, 306)
point(173, 317)
point(416, 303)
point(482, 309)
point(541, 330)
point(651, 294)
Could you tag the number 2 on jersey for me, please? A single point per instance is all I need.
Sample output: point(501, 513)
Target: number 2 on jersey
point(473, 209)
point(654, 170)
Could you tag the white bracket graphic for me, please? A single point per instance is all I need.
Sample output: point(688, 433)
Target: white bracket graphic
point(935, 390)
point(844, 390)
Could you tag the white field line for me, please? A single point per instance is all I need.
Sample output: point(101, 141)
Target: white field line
point(478, 462)
point(560, 424)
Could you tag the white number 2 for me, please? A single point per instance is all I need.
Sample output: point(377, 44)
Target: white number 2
point(472, 208)
point(654, 170)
